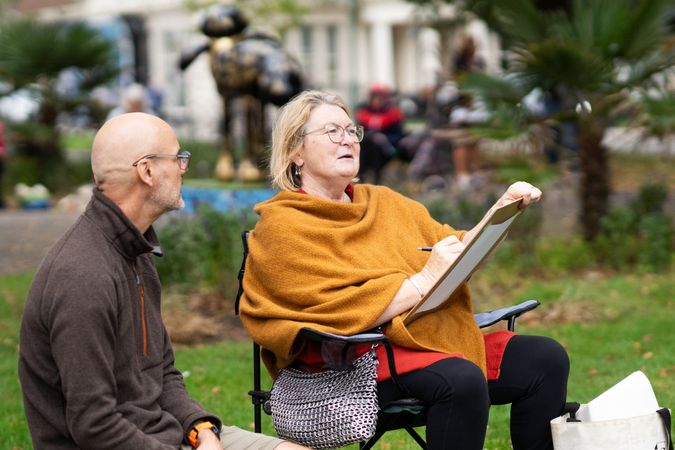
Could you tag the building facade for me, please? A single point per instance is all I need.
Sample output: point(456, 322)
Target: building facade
point(343, 46)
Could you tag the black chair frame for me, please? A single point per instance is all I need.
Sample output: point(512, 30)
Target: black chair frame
point(405, 413)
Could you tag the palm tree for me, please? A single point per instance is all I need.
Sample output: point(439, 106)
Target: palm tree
point(34, 57)
point(603, 59)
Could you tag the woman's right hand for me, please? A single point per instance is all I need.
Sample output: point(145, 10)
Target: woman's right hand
point(444, 253)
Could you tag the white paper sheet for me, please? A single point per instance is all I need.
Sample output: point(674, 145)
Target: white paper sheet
point(633, 396)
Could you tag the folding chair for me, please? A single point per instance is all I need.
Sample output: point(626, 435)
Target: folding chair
point(405, 413)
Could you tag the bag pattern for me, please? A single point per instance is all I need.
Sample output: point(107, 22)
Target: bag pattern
point(327, 409)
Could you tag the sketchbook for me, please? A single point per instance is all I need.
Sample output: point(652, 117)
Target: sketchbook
point(486, 239)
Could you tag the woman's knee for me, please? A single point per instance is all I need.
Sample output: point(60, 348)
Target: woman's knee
point(462, 382)
point(549, 356)
point(554, 356)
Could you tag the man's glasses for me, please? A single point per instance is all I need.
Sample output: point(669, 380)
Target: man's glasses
point(183, 158)
point(336, 133)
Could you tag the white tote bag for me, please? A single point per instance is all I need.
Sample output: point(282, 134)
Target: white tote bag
point(625, 417)
point(645, 432)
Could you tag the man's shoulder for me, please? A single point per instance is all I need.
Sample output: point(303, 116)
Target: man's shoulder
point(81, 246)
point(82, 259)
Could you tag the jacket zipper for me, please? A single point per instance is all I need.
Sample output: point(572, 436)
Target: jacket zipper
point(141, 294)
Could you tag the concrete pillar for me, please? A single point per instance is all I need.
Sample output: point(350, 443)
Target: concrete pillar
point(382, 52)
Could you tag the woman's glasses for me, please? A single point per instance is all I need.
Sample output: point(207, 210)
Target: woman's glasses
point(183, 158)
point(336, 133)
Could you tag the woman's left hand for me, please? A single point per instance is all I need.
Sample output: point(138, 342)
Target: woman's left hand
point(520, 190)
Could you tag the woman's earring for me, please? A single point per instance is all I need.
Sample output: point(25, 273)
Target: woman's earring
point(298, 172)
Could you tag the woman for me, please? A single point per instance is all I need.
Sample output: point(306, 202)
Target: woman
point(343, 258)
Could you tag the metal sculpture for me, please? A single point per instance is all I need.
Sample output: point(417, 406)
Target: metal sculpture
point(250, 65)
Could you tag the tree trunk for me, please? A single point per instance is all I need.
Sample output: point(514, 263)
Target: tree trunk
point(595, 187)
point(48, 145)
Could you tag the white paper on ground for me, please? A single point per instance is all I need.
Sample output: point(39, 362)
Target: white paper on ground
point(632, 396)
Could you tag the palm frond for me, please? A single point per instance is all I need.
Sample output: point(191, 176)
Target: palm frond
point(657, 113)
point(644, 70)
point(495, 91)
point(646, 28)
point(552, 62)
point(503, 97)
point(502, 126)
point(30, 50)
point(520, 21)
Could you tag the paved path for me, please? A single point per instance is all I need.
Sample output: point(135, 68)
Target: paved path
point(25, 237)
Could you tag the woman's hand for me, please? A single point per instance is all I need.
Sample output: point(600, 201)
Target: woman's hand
point(520, 190)
point(444, 253)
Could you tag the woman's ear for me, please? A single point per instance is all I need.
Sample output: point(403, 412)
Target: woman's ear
point(298, 161)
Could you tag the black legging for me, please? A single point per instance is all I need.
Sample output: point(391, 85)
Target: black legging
point(533, 378)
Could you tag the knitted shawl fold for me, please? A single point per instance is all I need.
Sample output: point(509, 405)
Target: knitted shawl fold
point(336, 266)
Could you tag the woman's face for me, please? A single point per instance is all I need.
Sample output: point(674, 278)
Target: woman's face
point(323, 162)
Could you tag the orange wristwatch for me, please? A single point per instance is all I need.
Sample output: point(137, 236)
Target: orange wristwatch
point(194, 432)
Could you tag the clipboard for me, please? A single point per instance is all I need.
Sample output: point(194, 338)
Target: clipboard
point(486, 239)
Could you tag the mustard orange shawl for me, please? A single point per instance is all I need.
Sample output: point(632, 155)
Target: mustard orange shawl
point(336, 266)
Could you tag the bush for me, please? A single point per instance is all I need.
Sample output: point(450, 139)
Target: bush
point(204, 158)
point(465, 214)
point(564, 256)
point(638, 235)
point(203, 251)
point(657, 237)
point(60, 177)
point(462, 214)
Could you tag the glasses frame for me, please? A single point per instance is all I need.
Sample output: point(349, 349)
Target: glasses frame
point(360, 132)
point(182, 156)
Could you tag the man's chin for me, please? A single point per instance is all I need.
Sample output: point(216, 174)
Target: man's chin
point(180, 204)
point(175, 206)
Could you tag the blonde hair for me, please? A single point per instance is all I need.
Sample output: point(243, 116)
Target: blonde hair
point(287, 135)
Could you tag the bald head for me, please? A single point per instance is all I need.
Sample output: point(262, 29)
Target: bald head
point(124, 139)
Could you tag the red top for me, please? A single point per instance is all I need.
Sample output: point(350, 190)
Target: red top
point(379, 119)
point(3, 149)
point(408, 360)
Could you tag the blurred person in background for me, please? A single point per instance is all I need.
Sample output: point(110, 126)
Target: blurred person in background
point(382, 121)
point(133, 100)
point(3, 157)
point(466, 112)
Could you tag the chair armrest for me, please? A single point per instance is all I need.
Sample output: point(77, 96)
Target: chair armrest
point(509, 313)
point(345, 342)
point(361, 338)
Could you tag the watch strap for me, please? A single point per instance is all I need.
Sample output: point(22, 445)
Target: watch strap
point(194, 432)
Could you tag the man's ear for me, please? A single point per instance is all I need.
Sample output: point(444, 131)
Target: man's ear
point(145, 173)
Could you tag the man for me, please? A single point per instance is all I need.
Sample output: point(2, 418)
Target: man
point(96, 365)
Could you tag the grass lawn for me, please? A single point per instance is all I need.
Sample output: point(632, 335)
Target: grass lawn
point(611, 326)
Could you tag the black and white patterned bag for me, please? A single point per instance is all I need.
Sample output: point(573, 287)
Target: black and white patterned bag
point(327, 409)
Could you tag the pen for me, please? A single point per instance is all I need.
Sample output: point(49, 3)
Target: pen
point(425, 249)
